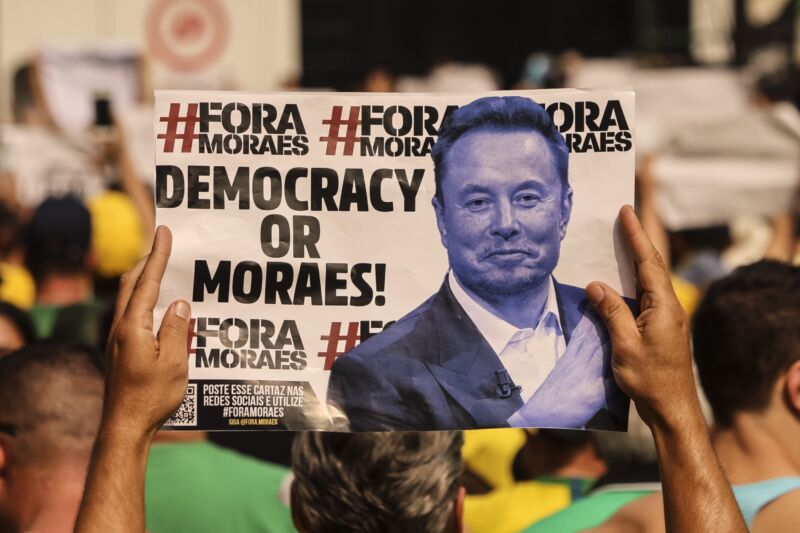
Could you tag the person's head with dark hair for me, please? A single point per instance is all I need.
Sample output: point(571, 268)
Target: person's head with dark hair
point(16, 328)
point(503, 199)
point(779, 86)
point(379, 80)
point(389, 482)
point(560, 453)
point(58, 242)
point(746, 336)
point(51, 399)
point(499, 114)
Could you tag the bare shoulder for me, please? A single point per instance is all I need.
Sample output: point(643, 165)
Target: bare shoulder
point(782, 514)
point(645, 515)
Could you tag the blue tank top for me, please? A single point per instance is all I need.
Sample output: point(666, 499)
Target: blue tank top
point(754, 496)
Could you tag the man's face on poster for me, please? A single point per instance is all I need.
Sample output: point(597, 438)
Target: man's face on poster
point(504, 212)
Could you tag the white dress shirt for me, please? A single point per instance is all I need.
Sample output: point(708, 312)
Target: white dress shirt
point(528, 355)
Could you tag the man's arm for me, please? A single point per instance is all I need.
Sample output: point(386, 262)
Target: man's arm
point(133, 186)
point(651, 359)
point(145, 382)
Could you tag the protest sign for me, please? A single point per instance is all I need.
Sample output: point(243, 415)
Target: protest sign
point(45, 164)
point(335, 286)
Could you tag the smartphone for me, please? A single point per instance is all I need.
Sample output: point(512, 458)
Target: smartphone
point(102, 111)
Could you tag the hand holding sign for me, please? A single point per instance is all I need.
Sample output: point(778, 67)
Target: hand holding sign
point(652, 363)
point(145, 383)
point(147, 375)
point(651, 357)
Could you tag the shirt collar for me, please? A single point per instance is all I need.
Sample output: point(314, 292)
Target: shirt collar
point(497, 332)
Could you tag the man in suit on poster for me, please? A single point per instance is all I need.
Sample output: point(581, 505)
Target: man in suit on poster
point(501, 343)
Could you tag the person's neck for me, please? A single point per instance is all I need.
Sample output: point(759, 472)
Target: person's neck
point(64, 289)
point(522, 310)
point(172, 437)
point(584, 464)
point(52, 502)
point(544, 457)
point(759, 446)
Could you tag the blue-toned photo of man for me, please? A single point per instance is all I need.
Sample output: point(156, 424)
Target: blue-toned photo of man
point(501, 343)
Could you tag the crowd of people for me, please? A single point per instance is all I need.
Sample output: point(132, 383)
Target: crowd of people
point(87, 379)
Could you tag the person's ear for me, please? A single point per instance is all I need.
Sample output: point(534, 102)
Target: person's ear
point(458, 509)
point(438, 209)
point(565, 212)
point(90, 260)
point(792, 388)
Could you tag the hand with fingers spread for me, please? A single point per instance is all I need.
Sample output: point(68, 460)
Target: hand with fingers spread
point(651, 359)
point(145, 382)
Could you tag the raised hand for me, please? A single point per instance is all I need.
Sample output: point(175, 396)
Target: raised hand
point(651, 358)
point(145, 382)
point(147, 374)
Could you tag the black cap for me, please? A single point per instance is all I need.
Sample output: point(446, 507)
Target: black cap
point(58, 236)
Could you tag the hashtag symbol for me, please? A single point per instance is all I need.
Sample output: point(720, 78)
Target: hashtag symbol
point(335, 122)
point(334, 337)
point(224, 412)
point(173, 120)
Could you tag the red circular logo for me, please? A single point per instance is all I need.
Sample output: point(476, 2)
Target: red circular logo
point(187, 35)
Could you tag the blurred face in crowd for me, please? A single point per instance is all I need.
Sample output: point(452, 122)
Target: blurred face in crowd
point(504, 211)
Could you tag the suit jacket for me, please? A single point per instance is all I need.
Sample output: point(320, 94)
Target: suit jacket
point(433, 370)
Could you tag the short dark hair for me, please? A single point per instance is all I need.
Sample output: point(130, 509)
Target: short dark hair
point(58, 237)
point(510, 113)
point(51, 398)
point(746, 334)
point(365, 482)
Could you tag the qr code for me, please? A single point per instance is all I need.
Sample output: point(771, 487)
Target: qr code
point(186, 415)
